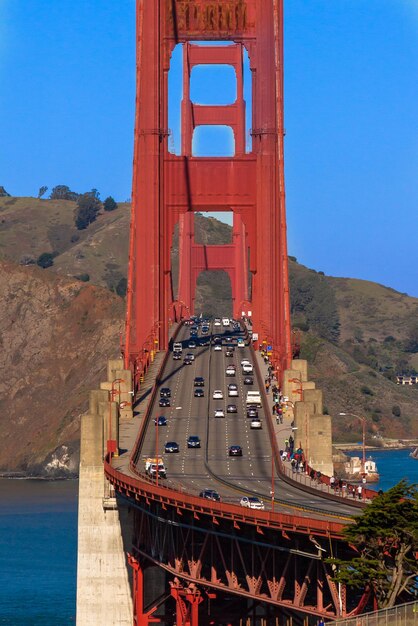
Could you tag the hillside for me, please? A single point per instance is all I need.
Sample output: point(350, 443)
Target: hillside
point(56, 335)
point(354, 333)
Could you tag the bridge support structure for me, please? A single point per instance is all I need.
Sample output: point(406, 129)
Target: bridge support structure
point(167, 187)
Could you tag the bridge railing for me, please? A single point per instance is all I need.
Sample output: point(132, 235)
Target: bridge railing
point(402, 615)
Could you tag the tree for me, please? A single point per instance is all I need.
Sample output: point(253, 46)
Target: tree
point(3, 193)
point(121, 287)
point(386, 537)
point(62, 192)
point(411, 344)
point(46, 259)
point(42, 191)
point(88, 206)
point(110, 204)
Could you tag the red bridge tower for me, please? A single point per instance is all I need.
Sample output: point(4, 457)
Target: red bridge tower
point(168, 188)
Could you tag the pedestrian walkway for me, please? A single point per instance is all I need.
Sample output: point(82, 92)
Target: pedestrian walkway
point(129, 428)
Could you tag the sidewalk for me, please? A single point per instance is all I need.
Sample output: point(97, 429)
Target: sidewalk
point(283, 432)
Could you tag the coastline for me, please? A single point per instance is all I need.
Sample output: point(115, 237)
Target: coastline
point(356, 447)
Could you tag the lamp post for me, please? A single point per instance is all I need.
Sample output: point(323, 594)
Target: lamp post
point(363, 420)
point(156, 449)
point(111, 443)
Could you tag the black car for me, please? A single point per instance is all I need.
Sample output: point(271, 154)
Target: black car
point(187, 360)
point(193, 441)
point(199, 381)
point(248, 380)
point(231, 408)
point(176, 356)
point(199, 392)
point(210, 494)
point(164, 402)
point(165, 392)
point(235, 451)
point(252, 411)
point(161, 421)
point(171, 446)
point(229, 353)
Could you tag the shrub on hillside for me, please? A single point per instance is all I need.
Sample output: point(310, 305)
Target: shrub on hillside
point(312, 296)
point(396, 410)
point(366, 390)
point(88, 206)
point(46, 259)
point(42, 191)
point(121, 287)
point(83, 277)
point(109, 204)
point(3, 193)
point(62, 192)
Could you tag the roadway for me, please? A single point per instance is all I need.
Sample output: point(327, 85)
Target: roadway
point(194, 469)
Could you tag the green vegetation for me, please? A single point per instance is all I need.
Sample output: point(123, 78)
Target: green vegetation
point(3, 193)
point(110, 204)
point(42, 191)
point(88, 206)
point(121, 287)
point(313, 304)
point(386, 537)
point(46, 259)
point(62, 192)
point(83, 277)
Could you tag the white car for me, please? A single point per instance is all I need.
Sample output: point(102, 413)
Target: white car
point(251, 502)
point(247, 368)
point(230, 371)
point(232, 391)
point(219, 413)
point(217, 322)
point(245, 362)
point(218, 395)
point(225, 321)
point(218, 348)
point(255, 423)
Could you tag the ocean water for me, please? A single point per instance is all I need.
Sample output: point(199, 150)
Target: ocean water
point(392, 465)
point(38, 552)
point(38, 543)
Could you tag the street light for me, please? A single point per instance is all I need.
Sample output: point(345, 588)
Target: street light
point(363, 420)
point(111, 443)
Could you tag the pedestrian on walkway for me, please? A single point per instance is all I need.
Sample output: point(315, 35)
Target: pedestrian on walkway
point(360, 492)
point(332, 482)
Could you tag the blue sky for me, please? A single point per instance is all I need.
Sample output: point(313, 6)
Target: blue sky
point(67, 104)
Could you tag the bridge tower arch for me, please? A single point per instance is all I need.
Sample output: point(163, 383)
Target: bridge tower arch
point(169, 188)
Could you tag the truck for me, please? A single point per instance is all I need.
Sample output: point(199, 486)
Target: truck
point(154, 464)
point(253, 397)
point(177, 346)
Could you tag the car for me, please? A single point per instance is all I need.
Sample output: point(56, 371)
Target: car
point(229, 353)
point(245, 362)
point(248, 380)
point(189, 356)
point(217, 322)
point(176, 356)
point(165, 392)
point(193, 441)
point(191, 345)
point(199, 381)
point(210, 494)
point(187, 360)
point(235, 451)
point(218, 395)
point(241, 343)
point(164, 402)
point(251, 502)
point(255, 423)
point(219, 413)
point(171, 446)
point(230, 370)
point(231, 408)
point(161, 421)
point(232, 390)
point(218, 348)
point(199, 392)
point(247, 368)
point(252, 411)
